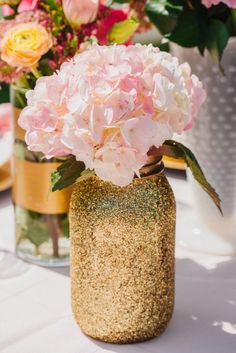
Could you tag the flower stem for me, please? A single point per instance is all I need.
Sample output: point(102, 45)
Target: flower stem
point(20, 99)
point(22, 83)
point(35, 72)
point(54, 231)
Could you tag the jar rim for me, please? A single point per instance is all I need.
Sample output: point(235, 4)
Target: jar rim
point(154, 166)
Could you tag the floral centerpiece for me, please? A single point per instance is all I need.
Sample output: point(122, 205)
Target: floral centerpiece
point(37, 36)
point(114, 110)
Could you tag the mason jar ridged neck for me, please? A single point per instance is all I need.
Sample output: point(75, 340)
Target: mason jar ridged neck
point(154, 166)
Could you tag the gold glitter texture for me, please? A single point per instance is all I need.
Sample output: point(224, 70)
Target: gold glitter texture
point(122, 258)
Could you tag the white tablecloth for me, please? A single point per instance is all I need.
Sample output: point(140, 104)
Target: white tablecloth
point(35, 314)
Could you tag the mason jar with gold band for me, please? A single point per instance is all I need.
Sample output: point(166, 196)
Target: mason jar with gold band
point(42, 227)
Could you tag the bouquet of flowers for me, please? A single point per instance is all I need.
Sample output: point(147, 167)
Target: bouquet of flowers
point(110, 108)
point(36, 37)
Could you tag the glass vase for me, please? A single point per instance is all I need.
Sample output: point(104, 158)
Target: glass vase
point(42, 227)
point(122, 258)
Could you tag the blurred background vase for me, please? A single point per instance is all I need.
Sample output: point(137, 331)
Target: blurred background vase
point(5, 145)
point(42, 227)
point(213, 140)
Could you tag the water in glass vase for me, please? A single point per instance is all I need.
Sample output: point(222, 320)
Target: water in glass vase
point(42, 226)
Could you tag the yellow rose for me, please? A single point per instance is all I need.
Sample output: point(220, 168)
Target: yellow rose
point(24, 44)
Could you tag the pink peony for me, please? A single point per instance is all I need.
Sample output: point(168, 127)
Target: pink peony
point(109, 106)
point(229, 3)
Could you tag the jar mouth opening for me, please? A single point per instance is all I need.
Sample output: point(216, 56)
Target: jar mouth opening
point(154, 166)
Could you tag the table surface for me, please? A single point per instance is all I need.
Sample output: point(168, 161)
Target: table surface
point(35, 313)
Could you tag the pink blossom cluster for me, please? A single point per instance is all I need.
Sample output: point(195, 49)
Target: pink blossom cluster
point(229, 3)
point(109, 106)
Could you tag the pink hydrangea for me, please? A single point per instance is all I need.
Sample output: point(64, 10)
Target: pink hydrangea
point(109, 106)
point(229, 3)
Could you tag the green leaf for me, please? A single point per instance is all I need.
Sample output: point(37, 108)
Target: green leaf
point(163, 14)
point(4, 93)
point(178, 150)
point(21, 217)
point(122, 31)
point(66, 174)
point(231, 23)
point(187, 32)
point(21, 152)
point(218, 10)
point(45, 68)
point(30, 225)
point(52, 4)
point(217, 39)
point(37, 232)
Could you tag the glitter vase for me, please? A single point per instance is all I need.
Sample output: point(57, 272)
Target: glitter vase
point(122, 258)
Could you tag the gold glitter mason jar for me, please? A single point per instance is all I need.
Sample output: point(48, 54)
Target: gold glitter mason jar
point(122, 258)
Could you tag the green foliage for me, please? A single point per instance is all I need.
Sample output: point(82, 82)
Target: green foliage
point(52, 4)
point(163, 14)
point(30, 225)
point(21, 152)
point(122, 31)
point(187, 30)
point(191, 24)
point(4, 93)
point(217, 39)
point(65, 175)
point(44, 67)
point(34, 226)
point(178, 150)
point(17, 94)
point(37, 232)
